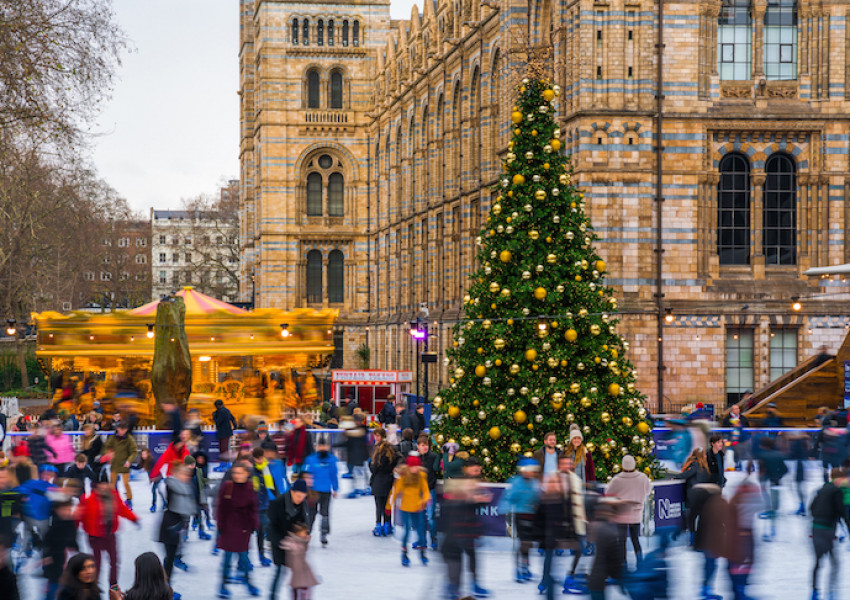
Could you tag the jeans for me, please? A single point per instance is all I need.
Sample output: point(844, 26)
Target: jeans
point(548, 580)
point(709, 568)
point(430, 521)
point(241, 566)
point(154, 488)
point(261, 534)
point(413, 520)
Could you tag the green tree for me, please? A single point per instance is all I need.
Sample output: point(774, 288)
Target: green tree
point(539, 348)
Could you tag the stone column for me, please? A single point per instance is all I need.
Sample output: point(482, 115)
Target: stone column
point(756, 251)
point(759, 8)
point(803, 221)
point(709, 257)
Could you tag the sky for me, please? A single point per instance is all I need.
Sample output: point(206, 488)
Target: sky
point(171, 128)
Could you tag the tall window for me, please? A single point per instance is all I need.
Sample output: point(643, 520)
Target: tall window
point(320, 33)
point(314, 195)
point(345, 33)
point(336, 195)
point(355, 34)
point(312, 88)
point(734, 36)
point(733, 210)
point(330, 32)
point(314, 277)
point(336, 273)
point(294, 31)
point(336, 89)
point(739, 364)
point(305, 32)
point(780, 210)
point(780, 39)
point(783, 351)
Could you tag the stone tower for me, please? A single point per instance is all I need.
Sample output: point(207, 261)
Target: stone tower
point(306, 73)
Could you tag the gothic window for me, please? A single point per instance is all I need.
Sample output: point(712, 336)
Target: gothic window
point(336, 273)
point(336, 195)
point(780, 39)
point(780, 210)
point(345, 33)
point(330, 32)
point(734, 36)
point(314, 277)
point(355, 33)
point(294, 31)
point(305, 32)
point(336, 89)
point(733, 210)
point(314, 195)
point(320, 33)
point(312, 88)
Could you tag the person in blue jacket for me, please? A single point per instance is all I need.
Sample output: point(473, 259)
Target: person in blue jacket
point(37, 506)
point(521, 500)
point(321, 466)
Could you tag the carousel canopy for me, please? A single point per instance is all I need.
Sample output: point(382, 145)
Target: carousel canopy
point(196, 304)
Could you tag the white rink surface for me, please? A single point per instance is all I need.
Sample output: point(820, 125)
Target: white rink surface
point(357, 565)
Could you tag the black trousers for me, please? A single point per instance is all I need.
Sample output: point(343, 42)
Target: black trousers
point(170, 555)
point(453, 555)
point(630, 530)
point(322, 508)
point(381, 515)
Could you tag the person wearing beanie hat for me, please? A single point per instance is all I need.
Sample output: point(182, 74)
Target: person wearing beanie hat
point(580, 455)
point(411, 488)
point(519, 504)
point(633, 488)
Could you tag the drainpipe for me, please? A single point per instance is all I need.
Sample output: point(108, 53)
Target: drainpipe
point(659, 202)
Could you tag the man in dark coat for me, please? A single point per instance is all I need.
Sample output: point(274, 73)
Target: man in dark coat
point(417, 420)
point(715, 459)
point(173, 419)
point(357, 453)
point(224, 425)
point(285, 511)
point(387, 416)
point(431, 464)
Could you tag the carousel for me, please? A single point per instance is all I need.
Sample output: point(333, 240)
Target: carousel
point(259, 362)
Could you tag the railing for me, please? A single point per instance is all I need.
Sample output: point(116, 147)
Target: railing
point(327, 117)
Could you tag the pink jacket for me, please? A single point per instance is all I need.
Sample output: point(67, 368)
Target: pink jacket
point(632, 487)
point(62, 446)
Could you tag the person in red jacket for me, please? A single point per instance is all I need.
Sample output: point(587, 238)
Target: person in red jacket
point(98, 513)
point(175, 453)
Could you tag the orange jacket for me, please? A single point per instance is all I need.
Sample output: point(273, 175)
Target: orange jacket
point(90, 514)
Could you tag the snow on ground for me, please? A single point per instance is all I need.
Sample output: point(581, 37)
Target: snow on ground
point(357, 565)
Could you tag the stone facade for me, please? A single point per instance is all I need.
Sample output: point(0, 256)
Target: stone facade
point(426, 124)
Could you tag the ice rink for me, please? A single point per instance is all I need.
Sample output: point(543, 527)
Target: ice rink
point(357, 565)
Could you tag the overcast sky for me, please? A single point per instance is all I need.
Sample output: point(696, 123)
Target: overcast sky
point(171, 130)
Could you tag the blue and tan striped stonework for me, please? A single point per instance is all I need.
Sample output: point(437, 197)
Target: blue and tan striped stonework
point(430, 97)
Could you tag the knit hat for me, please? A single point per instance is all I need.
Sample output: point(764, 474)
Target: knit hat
point(299, 486)
point(48, 467)
point(528, 464)
point(628, 462)
point(413, 460)
point(575, 432)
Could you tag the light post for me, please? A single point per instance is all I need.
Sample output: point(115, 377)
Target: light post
point(418, 335)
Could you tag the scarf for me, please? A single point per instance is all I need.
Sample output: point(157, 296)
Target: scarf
point(263, 467)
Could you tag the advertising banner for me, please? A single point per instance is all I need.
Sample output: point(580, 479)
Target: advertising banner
point(669, 504)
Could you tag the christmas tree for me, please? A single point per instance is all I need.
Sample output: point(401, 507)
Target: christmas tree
point(538, 349)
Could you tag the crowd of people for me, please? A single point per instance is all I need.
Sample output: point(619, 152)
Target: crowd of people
point(61, 504)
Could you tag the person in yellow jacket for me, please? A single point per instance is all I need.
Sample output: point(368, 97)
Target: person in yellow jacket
point(412, 489)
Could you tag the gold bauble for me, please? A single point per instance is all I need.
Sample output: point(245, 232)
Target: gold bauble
point(605, 417)
point(582, 312)
point(437, 402)
point(494, 288)
point(558, 397)
point(534, 234)
point(575, 388)
point(570, 417)
point(523, 391)
point(556, 405)
point(514, 369)
point(482, 415)
point(614, 389)
point(627, 421)
point(466, 440)
point(518, 179)
point(476, 403)
point(564, 179)
point(556, 145)
point(495, 433)
point(540, 293)
point(499, 343)
point(459, 373)
point(497, 209)
point(516, 117)
point(571, 335)
point(600, 265)
point(480, 370)
point(551, 259)
point(440, 438)
point(501, 408)
point(520, 416)
point(552, 362)
point(486, 324)
point(515, 448)
point(548, 96)
point(539, 195)
point(590, 446)
point(505, 256)
point(585, 402)
point(531, 355)
point(595, 329)
point(643, 427)
point(506, 293)
point(454, 412)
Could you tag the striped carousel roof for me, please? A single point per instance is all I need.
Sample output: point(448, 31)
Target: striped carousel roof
point(196, 304)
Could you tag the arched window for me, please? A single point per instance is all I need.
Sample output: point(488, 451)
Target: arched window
point(733, 210)
point(457, 149)
point(313, 88)
point(780, 39)
point(305, 32)
point(336, 274)
point(336, 195)
point(330, 32)
point(320, 33)
point(314, 277)
point(475, 109)
point(734, 37)
point(355, 33)
point(345, 33)
point(780, 210)
point(294, 31)
point(336, 89)
point(314, 195)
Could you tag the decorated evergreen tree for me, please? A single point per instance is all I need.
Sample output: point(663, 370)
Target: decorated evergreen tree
point(539, 349)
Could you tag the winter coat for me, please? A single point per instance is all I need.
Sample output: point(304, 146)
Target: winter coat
point(693, 475)
point(258, 480)
point(633, 487)
point(74, 472)
point(552, 524)
point(431, 465)
point(405, 448)
point(324, 472)
point(452, 466)
point(278, 472)
point(296, 554)
point(90, 515)
point(583, 467)
point(357, 446)
point(39, 449)
point(36, 504)
point(742, 421)
point(828, 508)
point(283, 514)
point(95, 445)
point(417, 423)
point(224, 423)
point(540, 457)
point(709, 511)
point(299, 446)
point(403, 420)
point(740, 517)
point(382, 468)
point(609, 558)
point(61, 535)
point(772, 466)
point(171, 455)
point(521, 497)
point(716, 467)
point(387, 416)
point(124, 451)
point(62, 447)
point(414, 492)
point(237, 515)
